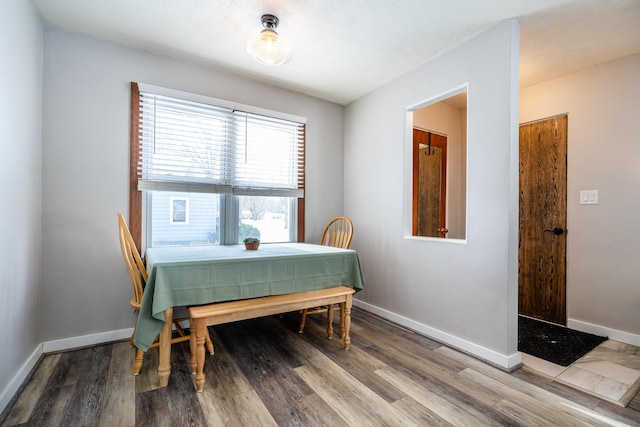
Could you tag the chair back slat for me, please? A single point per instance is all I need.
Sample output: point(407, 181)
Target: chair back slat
point(338, 233)
point(133, 261)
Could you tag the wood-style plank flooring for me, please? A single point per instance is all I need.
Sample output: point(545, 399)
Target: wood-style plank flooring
point(266, 374)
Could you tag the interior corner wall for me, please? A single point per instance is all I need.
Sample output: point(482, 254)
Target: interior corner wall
point(464, 294)
point(20, 187)
point(85, 285)
point(603, 106)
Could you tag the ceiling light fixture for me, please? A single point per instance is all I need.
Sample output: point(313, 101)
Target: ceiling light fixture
point(268, 47)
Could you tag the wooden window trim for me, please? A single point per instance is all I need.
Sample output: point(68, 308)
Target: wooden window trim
point(135, 196)
point(301, 184)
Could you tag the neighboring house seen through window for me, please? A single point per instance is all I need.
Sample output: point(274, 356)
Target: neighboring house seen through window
point(220, 171)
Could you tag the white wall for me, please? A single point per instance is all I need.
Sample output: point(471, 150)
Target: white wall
point(603, 249)
point(462, 294)
point(86, 289)
point(20, 189)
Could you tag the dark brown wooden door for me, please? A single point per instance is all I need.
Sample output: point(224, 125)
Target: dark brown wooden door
point(429, 184)
point(543, 220)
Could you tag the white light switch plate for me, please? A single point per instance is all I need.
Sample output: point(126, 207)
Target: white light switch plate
point(589, 197)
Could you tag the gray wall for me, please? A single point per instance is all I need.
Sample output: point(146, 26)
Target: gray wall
point(85, 169)
point(464, 294)
point(603, 104)
point(20, 186)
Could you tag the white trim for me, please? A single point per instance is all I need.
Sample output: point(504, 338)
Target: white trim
point(506, 362)
point(19, 378)
point(86, 340)
point(435, 239)
point(603, 331)
point(456, 90)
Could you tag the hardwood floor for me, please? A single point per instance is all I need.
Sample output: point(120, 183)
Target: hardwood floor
point(266, 374)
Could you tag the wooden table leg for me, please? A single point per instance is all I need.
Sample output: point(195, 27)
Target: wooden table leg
point(192, 346)
point(201, 328)
point(164, 365)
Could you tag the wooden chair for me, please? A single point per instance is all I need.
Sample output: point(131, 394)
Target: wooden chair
point(338, 233)
point(138, 275)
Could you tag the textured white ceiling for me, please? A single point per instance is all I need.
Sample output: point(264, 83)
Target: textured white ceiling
point(344, 49)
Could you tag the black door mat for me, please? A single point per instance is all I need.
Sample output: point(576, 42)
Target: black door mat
point(554, 343)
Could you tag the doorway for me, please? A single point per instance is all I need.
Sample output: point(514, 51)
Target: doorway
point(542, 239)
point(429, 184)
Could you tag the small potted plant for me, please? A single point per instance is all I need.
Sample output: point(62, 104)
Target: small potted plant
point(251, 243)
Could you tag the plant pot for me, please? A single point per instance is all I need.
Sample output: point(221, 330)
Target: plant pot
point(251, 246)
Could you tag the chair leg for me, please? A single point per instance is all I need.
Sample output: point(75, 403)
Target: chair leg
point(135, 325)
point(179, 328)
point(137, 364)
point(303, 320)
point(209, 343)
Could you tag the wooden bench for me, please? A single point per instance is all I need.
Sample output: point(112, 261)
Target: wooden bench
point(224, 312)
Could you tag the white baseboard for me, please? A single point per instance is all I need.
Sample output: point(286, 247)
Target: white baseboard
point(612, 334)
point(506, 362)
point(86, 340)
point(18, 379)
point(53, 347)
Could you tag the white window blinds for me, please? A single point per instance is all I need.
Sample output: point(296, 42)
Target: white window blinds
point(195, 146)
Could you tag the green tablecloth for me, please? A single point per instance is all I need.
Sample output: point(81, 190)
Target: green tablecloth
point(192, 275)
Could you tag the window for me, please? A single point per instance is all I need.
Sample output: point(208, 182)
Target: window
point(221, 171)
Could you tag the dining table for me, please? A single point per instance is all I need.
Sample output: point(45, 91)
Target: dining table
point(195, 275)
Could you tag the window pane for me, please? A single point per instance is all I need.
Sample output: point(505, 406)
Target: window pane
point(183, 141)
point(266, 152)
point(267, 218)
point(184, 218)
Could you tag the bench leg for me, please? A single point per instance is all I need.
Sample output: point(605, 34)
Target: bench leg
point(164, 365)
point(345, 321)
point(201, 330)
point(342, 320)
point(330, 321)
